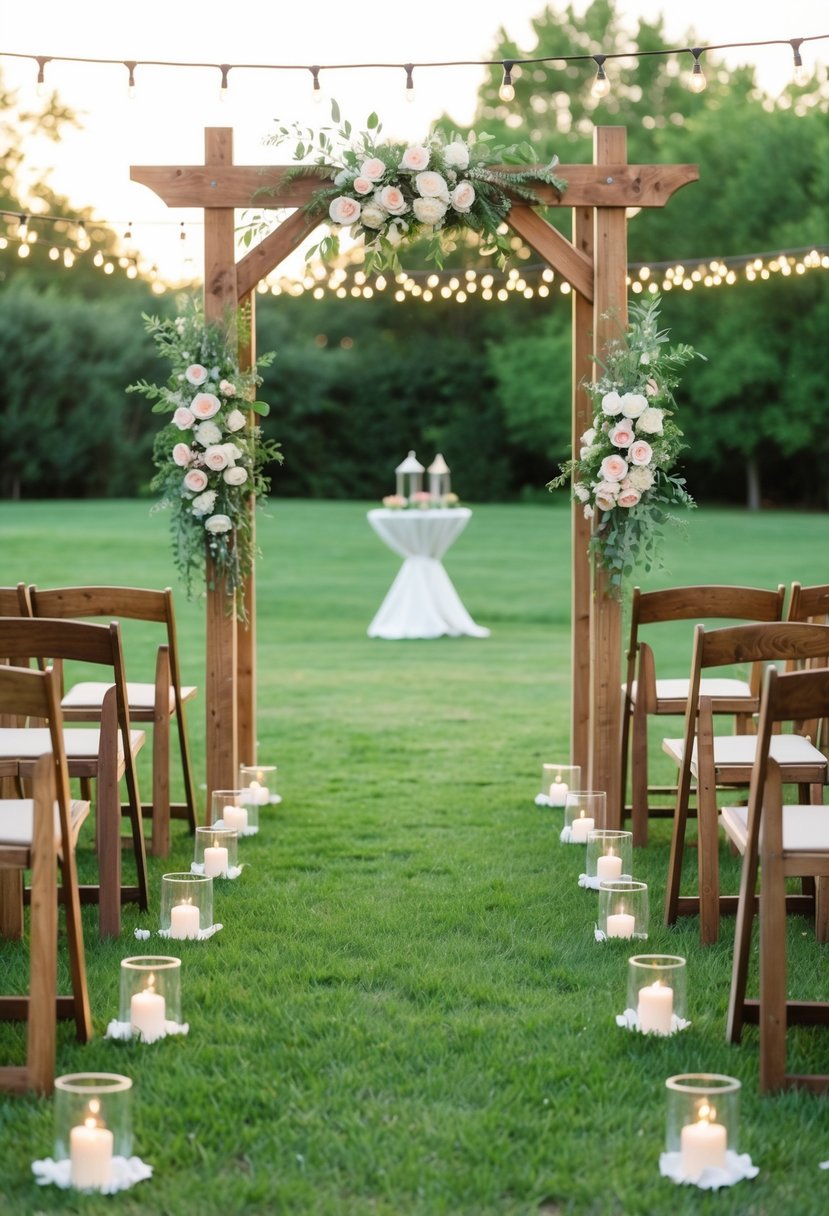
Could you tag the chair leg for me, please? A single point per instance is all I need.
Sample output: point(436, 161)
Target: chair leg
point(11, 904)
point(160, 844)
point(42, 1008)
point(772, 974)
point(746, 906)
point(639, 778)
point(187, 770)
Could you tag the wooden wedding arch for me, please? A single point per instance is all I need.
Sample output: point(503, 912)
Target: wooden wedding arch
point(593, 262)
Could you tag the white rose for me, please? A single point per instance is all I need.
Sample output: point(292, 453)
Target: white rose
point(215, 457)
point(362, 185)
point(640, 477)
point(235, 420)
point(393, 199)
point(205, 405)
point(415, 157)
point(588, 511)
point(373, 216)
point(207, 433)
point(237, 476)
point(342, 177)
point(373, 169)
point(429, 210)
point(589, 436)
point(344, 210)
point(195, 374)
point(432, 185)
point(218, 523)
point(183, 418)
point(634, 404)
point(640, 452)
point(463, 197)
point(613, 468)
point(232, 452)
point(182, 455)
point(195, 480)
point(204, 504)
point(227, 389)
point(581, 492)
point(649, 421)
point(611, 404)
point(393, 234)
point(456, 155)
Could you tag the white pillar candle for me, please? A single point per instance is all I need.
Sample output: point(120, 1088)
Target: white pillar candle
point(184, 920)
point(621, 924)
point(609, 866)
point(702, 1145)
point(558, 792)
point(258, 793)
point(215, 862)
point(148, 1012)
point(655, 1008)
point(580, 827)
point(235, 817)
point(90, 1155)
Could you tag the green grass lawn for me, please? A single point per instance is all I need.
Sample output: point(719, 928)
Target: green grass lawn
point(406, 1011)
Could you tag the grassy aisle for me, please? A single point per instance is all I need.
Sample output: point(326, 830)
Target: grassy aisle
point(405, 1011)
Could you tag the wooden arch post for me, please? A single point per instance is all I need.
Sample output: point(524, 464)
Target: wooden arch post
point(594, 263)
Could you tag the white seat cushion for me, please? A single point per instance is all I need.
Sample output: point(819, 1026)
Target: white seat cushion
point(29, 742)
point(17, 822)
point(805, 828)
point(733, 750)
point(90, 696)
point(677, 690)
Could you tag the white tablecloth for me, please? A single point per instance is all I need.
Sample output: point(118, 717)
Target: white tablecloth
point(422, 602)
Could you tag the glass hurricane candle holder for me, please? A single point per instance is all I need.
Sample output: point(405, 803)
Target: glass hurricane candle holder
point(623, 909)
point(93, 1125)
point(215, 852)
point(259, 780)
point(656, 994)
point(702, 1123)
point(556, 782)
point(186, 905)
point(609, 856)
point(584, 810)
point(150, 995)
point(236, 810)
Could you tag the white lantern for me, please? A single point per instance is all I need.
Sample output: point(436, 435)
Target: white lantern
point(409, 477)
point(438, 478)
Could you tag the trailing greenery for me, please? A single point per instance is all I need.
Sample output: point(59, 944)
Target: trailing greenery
point(405, 1012)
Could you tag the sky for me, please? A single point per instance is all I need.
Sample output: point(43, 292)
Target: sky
point(164, 122)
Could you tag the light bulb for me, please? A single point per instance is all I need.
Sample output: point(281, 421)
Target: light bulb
point(316, 88)
point(697, 82)
point(410, 89)
point(801, 72)
point(507, 90)
point(224, 68)
point(601, 85)
point(130, 78)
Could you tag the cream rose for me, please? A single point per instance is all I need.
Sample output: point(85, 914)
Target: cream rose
point(652, 388)
point(195, 480)
point(373, 216)
point(463, 197)
point(640, 477)
point(432, 185)
point(628, 497)
point(363, 185)
point(613, 468)
point(204, 504)
point(621, 435)
point(589, 436)
point(205, 405)
point(218, 523)
point(373, 169)
point(634, 404)
point(650, 421)
point(195, 374)
point(606, 494)
point(456, 155)
point(344, 210)
point(429, 210)
point(640, 452)
point(227, 389)
point(235, 420)
point(611, 404)
point(581, 492)
point(215, 457)
point(207, 433)
point(415, 157)
point(183, 418)
point(182, 455)
point(237, 476)
point(232, 452)
point(393, 199)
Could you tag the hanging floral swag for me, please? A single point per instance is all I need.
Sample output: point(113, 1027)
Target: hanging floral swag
point(395, 193)
point(622, 475)
point(210, 457)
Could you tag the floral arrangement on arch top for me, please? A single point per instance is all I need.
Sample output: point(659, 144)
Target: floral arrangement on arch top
point(622, 476)
point(391, 193)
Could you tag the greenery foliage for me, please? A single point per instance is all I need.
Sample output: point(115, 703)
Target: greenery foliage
point(391, 193)
point(623, 473)
point(210, 456)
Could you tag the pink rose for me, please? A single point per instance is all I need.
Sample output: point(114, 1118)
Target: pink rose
point(463, 196)
point(363, 185)
point(622, 435)
point(205, 405)
point(432, 185)
point(196, 480)
point(215, 457)
point(196, 374)
point(613, 468)
point(640, 452)
point(183, 418)
point(415, 157)
point(606, 493)
point(373, 169)
point(392, 198)
point(628, 497)
point(344, 210)
point(182, 455)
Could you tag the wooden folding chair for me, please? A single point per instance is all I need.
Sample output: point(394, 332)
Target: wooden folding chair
point(39, 833)
point(155, 702)
point(717, 761)
point(645, 695)
point(783, 841)
point(106, 754)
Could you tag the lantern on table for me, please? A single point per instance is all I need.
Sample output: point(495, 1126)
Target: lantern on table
point(439, 486)
point(409, 474)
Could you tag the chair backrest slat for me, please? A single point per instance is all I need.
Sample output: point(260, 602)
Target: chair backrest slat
point(135, 603)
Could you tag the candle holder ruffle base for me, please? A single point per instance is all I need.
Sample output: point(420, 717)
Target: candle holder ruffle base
point(92, 1134)
point(126, 1172)
point(702, 1131)
point(149, 1006)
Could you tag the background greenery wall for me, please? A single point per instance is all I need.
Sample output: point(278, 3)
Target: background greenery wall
point(357, 383)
